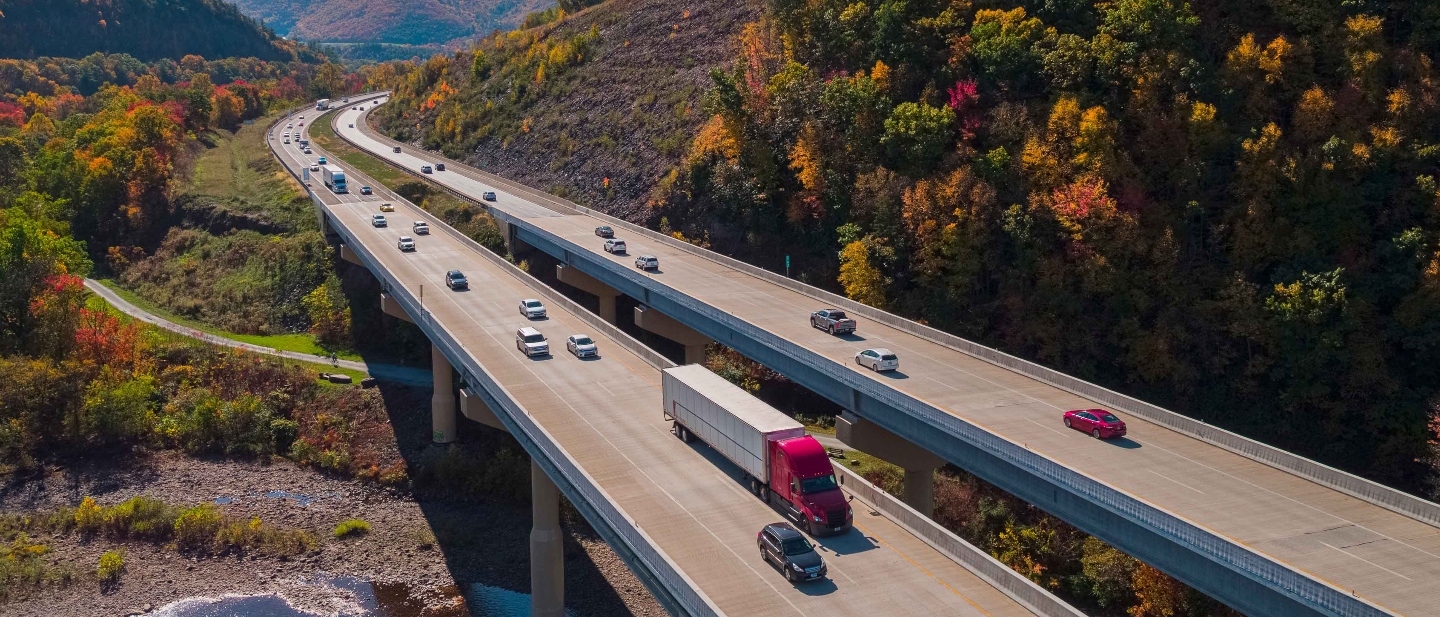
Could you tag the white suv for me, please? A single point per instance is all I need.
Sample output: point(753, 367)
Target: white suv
point(531, 342)
point(614, 246)
point(531, 308)
point(878, 359)
point(647, 262)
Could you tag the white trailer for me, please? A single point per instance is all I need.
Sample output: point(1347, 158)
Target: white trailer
point(732, 421)
point(322, 104)
point(334, 178)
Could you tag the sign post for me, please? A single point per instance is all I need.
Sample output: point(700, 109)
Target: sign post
point(787, 266)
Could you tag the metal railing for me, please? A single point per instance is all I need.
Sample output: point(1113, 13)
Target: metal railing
point(998, 575)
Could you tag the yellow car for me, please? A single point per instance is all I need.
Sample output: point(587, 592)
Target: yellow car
point(387, 208)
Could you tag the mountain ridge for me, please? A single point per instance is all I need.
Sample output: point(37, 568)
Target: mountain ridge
point(145, 29)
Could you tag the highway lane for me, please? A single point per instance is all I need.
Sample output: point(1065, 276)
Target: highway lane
point(1388, 558)
point(606, 414)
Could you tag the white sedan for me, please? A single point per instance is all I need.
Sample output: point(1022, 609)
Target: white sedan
point(582, 346)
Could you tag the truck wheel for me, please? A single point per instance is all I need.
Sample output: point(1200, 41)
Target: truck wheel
point(685, 435)
point(831, 330)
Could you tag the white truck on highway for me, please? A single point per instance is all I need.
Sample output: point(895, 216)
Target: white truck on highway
point(782, 464)
point(334, 179)
point(322, 104)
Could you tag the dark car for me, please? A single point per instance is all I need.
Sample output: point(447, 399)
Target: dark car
point(1101, 424)
point(397, 149)
point(604, 231)
point(455, 280)
point(365, 190)
point(424, 169)
point(439, 167)
point(783, 546)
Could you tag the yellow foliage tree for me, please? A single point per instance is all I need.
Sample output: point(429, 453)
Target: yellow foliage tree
point(805, 159)
point(863, 281)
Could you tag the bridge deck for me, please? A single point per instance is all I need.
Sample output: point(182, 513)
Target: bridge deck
point(606, 414)
point(1390, 559)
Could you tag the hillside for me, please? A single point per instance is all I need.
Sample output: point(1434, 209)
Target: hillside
point(145, 29)
point(611, 92)
point(413, 22)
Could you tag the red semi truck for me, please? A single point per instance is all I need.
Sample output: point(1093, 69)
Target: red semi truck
point(782, 464)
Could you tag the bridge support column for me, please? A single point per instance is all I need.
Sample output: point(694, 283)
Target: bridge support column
point(390, 307)
point(513, 244)
point(588, 284)
point(652, 320)
point(547, 560)
point(919, 464)
point(442, 402)
point(474, 408)
point(349, 255)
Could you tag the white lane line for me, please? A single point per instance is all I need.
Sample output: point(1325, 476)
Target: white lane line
point(602, 387)
point(1048, 428)
point(1350, 554)
point(1287, 497)
point(941, 383)
point(1175, 481)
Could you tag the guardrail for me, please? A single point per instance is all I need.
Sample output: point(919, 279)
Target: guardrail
point(579, 487)
point(1220, 549)
point(998, 575)
point(1397, 501)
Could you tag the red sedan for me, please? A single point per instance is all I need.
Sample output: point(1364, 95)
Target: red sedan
point(1100, 423)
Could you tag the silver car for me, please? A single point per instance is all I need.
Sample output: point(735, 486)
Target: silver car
point(582, 346)
point(406, 243)
point(531, 342)
point(614, 246)
point(531, 308)
point(878, 359)
point(421, 228)
point(647, 262)
point(378, 220)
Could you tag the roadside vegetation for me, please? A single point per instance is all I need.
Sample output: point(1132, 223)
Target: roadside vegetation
point(592, 105)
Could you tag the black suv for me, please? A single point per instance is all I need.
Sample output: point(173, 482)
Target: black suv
point(455, 280)
point(782, 545)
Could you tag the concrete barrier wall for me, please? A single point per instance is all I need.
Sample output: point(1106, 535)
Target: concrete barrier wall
point(969, 556)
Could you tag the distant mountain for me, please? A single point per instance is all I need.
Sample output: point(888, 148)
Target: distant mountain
point(409, 22)
point(145, 29)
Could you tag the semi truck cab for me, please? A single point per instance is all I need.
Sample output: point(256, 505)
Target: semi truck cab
point(801, 477)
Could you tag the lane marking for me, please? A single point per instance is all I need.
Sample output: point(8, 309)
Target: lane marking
point(1175, 481)
point(922, 568)
point(1350, 554)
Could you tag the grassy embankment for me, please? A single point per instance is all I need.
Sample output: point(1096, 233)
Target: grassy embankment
point(303, 343)
point(236, 175)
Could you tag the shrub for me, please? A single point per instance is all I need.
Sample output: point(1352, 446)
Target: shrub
point(196, 528)
point(351, 527)
point(23, 565)
point(140, 517)
point(283, 433)
point(111, 563)
point(88, 516)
